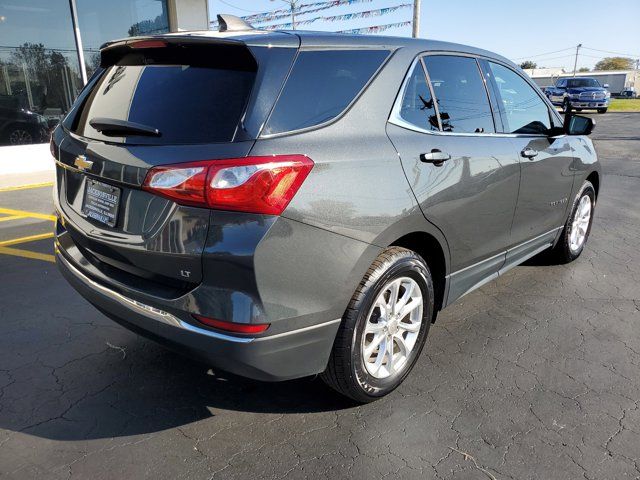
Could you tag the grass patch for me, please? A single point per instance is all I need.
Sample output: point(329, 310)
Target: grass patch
point(620, 105)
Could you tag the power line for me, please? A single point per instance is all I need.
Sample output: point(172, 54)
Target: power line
point(238, 8)
point(543, 54)
point(616, 53)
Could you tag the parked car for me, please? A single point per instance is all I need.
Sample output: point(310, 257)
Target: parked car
point(580, 93)
point(628, 93)
point(20, 126)
point(285, 204)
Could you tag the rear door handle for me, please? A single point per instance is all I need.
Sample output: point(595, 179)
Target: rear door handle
point(436, 157)
point(529, 153)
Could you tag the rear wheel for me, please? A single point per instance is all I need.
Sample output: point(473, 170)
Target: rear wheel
point(602, 110)
point(384, 328)
point(576, 231)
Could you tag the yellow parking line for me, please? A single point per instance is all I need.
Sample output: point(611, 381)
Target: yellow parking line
point(25, 187)
point(22, 213)
point(12, 217)
point(30, 238)
point(16, 252)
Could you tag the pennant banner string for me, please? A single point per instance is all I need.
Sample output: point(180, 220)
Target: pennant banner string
point(340, 18)
point(376, 28)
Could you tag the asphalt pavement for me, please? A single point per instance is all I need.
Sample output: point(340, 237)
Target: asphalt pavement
point(534, 376)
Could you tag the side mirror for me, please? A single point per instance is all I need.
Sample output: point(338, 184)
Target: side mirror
point(606, 85)
point(578, 125)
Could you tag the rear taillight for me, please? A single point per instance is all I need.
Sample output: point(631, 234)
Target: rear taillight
point(245, 328)
point(252, 184)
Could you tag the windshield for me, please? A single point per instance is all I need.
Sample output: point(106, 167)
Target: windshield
point(582, 82)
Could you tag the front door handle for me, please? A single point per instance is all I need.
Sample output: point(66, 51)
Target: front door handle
point(529, 153)
point(436, 157)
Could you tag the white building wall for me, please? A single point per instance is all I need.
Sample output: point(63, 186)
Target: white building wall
point(188, 15)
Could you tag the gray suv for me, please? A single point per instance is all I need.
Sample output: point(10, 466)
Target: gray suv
point(286, 204)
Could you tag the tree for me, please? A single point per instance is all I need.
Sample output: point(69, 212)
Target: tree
point(528, 64)
point(584, 69)
point(614, 63)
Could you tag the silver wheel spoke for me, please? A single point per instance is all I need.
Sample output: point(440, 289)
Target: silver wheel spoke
point(369, 349)
point(410, 307)
point(390, 360)
point(393, 296)
point(406, 297)
point(374, 327)
point(410, 327)
point(380, 358)
point(402, 345)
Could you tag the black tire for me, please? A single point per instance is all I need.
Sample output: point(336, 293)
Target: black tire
point(562, 252)
point(602, 110)
point(578, 109)
point(346, 371)
point(20, 135)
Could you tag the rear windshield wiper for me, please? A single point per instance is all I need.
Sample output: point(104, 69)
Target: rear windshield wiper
point(115, 127)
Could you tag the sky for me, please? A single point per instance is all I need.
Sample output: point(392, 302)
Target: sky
point(519, 30)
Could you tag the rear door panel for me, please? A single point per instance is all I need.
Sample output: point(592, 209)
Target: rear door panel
point(471, 198)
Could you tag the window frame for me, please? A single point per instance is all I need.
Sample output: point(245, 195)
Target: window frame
point(397, 105)
point(395, 119)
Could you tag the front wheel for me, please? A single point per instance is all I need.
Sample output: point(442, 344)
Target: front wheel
point(602, 110)
point(576, 231)
point(384, 327)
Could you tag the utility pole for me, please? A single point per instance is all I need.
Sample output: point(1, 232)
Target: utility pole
point(292, 7)
point(416, 19)
point(292, 3)
point(575, 64)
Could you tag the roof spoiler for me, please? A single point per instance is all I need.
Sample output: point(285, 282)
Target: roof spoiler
point(231, 23)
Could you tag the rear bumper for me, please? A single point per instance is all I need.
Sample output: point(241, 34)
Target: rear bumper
point(282, 356)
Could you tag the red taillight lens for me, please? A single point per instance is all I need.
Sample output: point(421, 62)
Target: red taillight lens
point(232, 327)
point(253, 184)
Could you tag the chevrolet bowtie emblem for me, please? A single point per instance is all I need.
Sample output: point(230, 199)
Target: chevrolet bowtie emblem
point(82, 163)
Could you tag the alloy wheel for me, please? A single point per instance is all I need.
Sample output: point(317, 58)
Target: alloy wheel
point(580, 224)
point(392, 327)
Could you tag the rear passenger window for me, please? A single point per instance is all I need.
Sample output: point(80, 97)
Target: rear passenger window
point(522, 108)
point(417, 105)
point(460, 94)
point(322, 84)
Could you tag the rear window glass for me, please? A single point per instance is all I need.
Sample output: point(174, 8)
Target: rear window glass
point(188, 102)
point(322, 84)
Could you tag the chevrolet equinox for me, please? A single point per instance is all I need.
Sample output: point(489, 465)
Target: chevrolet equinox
point(284, 204)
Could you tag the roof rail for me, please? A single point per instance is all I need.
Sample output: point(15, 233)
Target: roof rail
point(231, 23)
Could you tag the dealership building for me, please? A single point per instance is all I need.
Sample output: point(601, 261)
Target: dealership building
point(48, 49)
point(618, 80)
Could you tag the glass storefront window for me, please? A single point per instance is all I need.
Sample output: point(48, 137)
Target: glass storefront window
point(39, 71)
point(100, 21)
